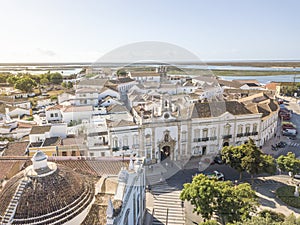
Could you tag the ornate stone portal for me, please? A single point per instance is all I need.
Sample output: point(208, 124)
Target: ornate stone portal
point(166, 146)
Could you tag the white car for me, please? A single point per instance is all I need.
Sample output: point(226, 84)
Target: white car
point(297, 176)
point(215, 175)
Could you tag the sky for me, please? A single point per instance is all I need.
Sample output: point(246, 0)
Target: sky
point(83, 31)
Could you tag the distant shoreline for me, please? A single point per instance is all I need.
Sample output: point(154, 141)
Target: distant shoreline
point(252, 63)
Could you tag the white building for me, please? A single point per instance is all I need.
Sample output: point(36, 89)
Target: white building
point(105, 91)
point(40, 133)
point(97, 140)
point(53, 113)
point(76, 113)
point(86, 96)
point(130, 190)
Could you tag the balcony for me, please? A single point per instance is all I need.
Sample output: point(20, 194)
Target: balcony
point(213, 138)
point(197, 139)
point(101, 143)
point(204, 139)
point(255, 133)
point(227, 136)
point(125, 147)
point(240, 135)
point(115, 149)
point(135, 146)
point(247, 134)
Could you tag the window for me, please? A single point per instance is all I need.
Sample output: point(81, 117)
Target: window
point(102, 154)
point(240, 129)
point(204, 150)
point(125, 221)
point(125, 141)
point(115, 142)
point(56, 114)
point(51, 115)
point(148, 139)
point(166, 138)
point(227, 129)
point(73, 153)
point(183, 136)
point(254, 127)
point(148, 153)
point(183, 148)
point(135, 139)
point(247, 129)
point(213, 132)
point(205, 133)
point(196, 133)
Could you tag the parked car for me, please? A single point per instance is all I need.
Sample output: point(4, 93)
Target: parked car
point(215, 175)
point(218, 159)
point(297, 176)
point(281, 144)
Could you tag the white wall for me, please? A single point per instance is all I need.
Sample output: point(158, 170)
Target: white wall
point(76, 116)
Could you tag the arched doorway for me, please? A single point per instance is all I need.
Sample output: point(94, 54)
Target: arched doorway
point(165, 152)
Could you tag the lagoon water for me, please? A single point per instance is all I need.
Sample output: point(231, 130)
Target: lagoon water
point(67, 69)
point(265, 79)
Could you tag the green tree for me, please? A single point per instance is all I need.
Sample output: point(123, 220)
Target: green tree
point(69, 85)
point(44, 81)
point(56, 78)
point(201, 193)
point(25, 84)
point(12, 79)
point(209, 196)
point(209, 222)
point(121, 72)
point(248, 157)
point(233, 155)
point(275, 216)
point(289, 163)
point(4, 76)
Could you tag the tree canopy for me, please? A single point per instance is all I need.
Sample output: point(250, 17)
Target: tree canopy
point(269, 218)
point(56, 78)
point(289, 163)
point(209, 196)
point(249, 158)
point(25, 84)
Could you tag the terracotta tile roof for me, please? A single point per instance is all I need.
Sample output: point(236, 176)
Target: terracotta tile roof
point(233, 84)
point(116, 108)
point(105, 166)
point(10, 167)
point(83, 108)
point(3, 106)
point(86, 90)
point(40, 129)
point(93, 82)
point(121, 80)
point(16, 148)
point(53, 141)
point(246, 81)
point(144, 74)
point(54, 107)
point(121, 123)
point(72, 141)
point(214, 109)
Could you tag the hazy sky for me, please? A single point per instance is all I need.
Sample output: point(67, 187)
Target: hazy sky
point(82, 31)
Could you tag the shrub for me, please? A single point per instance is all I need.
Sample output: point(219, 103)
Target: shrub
point(286, 194)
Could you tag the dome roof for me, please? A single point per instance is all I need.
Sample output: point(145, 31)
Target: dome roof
point(52, 199)
point(39, 156)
